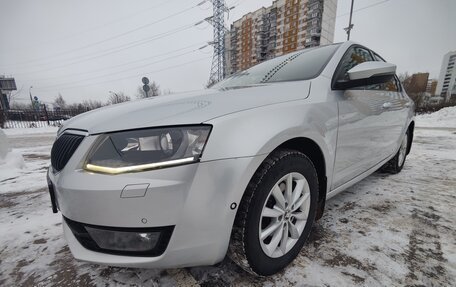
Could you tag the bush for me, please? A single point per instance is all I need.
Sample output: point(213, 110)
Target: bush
point(426, 109)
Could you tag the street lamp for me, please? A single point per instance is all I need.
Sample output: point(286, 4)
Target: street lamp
point(350, 25)
point(30, 93)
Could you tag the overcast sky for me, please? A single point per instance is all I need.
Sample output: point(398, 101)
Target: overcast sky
point(84, 49)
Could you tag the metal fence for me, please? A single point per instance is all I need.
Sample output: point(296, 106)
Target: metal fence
point(34, 119)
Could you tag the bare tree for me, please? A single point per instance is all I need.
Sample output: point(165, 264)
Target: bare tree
point(418, 98)
point(404, 76)
point(167, 92)
point(59, 102)
point(117, 98)
point(77, 107)
point(153, 92)
point(13, 95)
point(211, 83)
point(20, 106)
point(410, 89)
point(92, 104)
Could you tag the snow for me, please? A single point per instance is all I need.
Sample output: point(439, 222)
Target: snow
point(9, 165)
point(30, 131)
point(24, 167)
point(387, 230)
point(11, 162)
point(444, 118)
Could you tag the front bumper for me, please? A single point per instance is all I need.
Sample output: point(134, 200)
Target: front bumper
point(196, 200)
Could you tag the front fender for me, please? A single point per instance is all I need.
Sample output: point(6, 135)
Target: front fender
point(261, 130)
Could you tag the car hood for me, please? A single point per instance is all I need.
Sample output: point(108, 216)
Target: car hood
point(185, 108)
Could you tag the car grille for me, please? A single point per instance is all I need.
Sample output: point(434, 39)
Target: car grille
point(63, 149)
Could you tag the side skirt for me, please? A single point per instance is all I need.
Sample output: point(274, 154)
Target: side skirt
point(358, 178)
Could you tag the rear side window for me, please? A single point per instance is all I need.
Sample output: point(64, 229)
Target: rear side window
point(378, 58)
point(357, 55)
point(392, 86)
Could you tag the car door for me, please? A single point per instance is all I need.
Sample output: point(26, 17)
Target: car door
point(395, 111)
point(362, 122)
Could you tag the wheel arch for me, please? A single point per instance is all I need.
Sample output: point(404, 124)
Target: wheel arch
point(312, 150)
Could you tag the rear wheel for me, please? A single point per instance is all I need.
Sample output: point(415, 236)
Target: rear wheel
point(276, 214)
point(396, 164)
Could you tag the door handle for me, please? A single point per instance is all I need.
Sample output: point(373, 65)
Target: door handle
point(407, 105)
point(387, 105)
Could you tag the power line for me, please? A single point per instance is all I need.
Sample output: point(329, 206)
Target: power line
point(332, 18)
point(121, 71)
point(337, 16)
point(142, 11)
point(88, 57)
point(362, 8)
point(129, 77)
point(236, 4)
point(127, 63)
point(113, 37)
point(97, 27)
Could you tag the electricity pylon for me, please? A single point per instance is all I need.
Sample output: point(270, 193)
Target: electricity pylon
point(218, 22)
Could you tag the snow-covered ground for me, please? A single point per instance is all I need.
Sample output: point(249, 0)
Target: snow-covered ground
point(444, 118)
point(30, 131)
point(27, 163)
point(387, 230)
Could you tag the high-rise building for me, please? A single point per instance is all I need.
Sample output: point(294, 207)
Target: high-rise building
point(446, 86)
point(283, 27)
point(417, 83)
point(431, 86)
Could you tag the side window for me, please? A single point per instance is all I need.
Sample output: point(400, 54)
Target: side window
point(378, 58)
point(354, 56)
point(391, 86)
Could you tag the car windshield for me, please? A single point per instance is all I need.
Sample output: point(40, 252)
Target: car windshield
point(301, 65)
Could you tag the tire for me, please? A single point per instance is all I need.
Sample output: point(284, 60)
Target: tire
point(247, 249)
point(396, 164)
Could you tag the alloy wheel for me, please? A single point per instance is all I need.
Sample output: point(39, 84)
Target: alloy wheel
point(284, 215)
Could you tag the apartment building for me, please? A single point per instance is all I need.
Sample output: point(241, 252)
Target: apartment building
point(283, 27)
point(446, 85)
point(417, 83)
point(431, 87)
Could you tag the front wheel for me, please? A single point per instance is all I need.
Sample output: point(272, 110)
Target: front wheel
point(276, 214)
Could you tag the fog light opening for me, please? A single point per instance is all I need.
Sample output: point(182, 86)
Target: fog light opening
point(123, 241)
point(133, 241)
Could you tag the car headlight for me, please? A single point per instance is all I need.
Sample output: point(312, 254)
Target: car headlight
point(145, 149)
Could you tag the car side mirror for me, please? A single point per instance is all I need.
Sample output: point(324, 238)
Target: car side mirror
point(367, 73)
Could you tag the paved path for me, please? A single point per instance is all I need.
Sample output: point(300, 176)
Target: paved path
point(21, 141)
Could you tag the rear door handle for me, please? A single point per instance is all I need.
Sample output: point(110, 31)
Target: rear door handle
point(387, 105)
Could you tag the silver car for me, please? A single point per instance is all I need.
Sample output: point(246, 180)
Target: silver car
point(243, 168)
